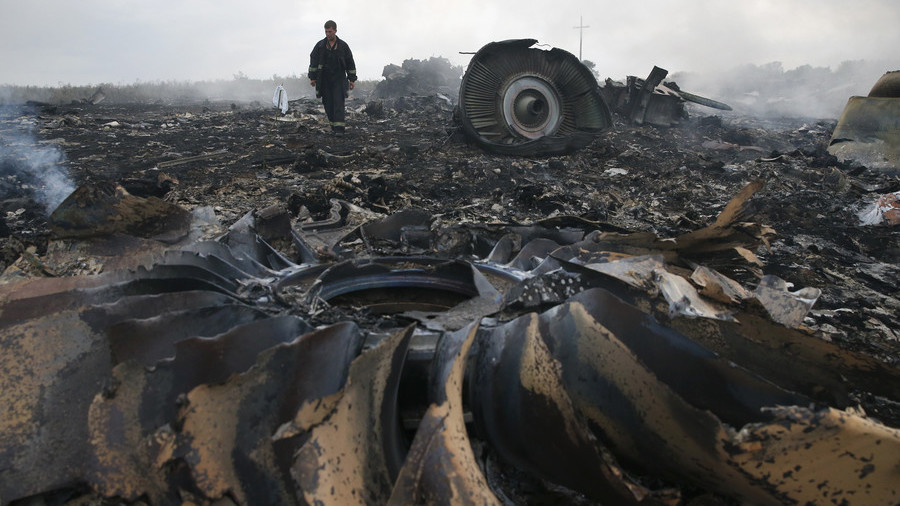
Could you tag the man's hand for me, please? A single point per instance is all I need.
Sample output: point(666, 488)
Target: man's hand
point(351, 85)
point(312, 82)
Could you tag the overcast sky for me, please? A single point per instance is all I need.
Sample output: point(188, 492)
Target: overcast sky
point(53, 42)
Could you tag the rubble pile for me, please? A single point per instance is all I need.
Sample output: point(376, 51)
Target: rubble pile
point(245, 308)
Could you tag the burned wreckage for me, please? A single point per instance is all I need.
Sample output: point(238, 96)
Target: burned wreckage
point(189, 375)
point(518, 99)
point(869, 127)
point(395, 358)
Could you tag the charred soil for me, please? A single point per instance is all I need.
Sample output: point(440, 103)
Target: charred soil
point(407, 152)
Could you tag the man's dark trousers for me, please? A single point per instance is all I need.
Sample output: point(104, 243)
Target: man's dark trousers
point(333, 99)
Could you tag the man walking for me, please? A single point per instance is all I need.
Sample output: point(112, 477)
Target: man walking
point(332, 71)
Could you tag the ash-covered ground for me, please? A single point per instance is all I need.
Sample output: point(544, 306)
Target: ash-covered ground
point(407, 152)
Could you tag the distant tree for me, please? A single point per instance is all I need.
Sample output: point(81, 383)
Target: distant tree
point(592, 67)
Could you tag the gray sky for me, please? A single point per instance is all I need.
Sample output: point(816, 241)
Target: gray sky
point(54, 42)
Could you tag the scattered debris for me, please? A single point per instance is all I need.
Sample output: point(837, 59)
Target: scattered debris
point(188, 327)
point(651, 101)
point(97, 97)
point(108, 210)
point(885, 209)
point(635, 296)
point(280, 100)
point(190, 159)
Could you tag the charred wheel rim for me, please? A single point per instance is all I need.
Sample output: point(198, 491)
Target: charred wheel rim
point(391, 285)
point(532, 107)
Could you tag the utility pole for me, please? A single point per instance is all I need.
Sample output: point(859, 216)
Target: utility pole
point(580, 28)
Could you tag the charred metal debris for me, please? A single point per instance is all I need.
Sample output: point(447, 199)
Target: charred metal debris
point(382, 360)
point(518, 99)
point(515, 99)
point(652, 101)
point(407, 319)
point(868, 130)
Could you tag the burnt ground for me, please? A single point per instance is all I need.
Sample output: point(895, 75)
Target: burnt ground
point(666, 181)
point(406, 152)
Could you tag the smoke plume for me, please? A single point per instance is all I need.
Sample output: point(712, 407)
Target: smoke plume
point(29, 168)
point(769, 90)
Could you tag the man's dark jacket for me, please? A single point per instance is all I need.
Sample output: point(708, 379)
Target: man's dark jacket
point(330, 64)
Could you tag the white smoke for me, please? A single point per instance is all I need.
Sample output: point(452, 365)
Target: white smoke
point(36, 169)
point(772, 91)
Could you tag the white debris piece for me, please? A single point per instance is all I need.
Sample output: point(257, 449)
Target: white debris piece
point(886, 208)
point(280, 99)
point(684, 300)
